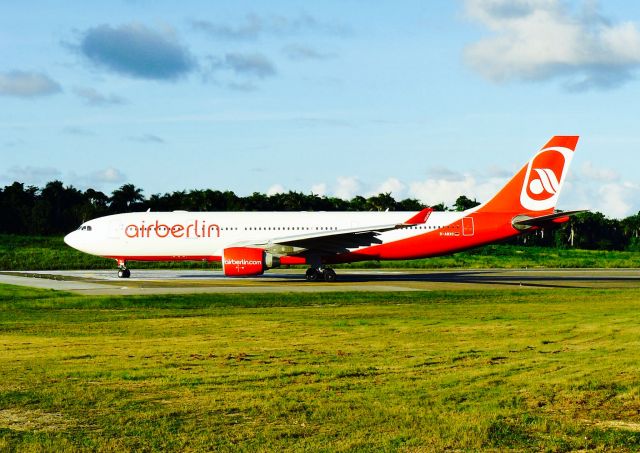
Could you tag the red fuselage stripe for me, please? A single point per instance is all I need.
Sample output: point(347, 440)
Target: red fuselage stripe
point(166, 258)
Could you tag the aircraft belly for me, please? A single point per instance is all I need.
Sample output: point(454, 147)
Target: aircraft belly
point(162, 247)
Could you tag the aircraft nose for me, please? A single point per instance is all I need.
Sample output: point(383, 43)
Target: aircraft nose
point(71, 239)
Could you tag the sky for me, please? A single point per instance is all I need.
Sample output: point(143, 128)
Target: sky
point(423, 99)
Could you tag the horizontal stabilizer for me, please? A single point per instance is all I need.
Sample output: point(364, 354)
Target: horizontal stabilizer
point(523, 222)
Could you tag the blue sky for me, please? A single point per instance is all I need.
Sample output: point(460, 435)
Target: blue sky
point(426, 99)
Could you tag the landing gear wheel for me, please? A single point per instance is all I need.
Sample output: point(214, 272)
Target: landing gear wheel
point(312, 274)
point(124, 273)
point(329, 275)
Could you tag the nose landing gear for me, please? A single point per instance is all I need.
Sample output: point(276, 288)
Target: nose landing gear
point(123, 272)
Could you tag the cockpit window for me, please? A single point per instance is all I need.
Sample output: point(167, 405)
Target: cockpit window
point(88, 227)
point(84, 228)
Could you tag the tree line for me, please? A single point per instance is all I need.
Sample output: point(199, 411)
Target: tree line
point(57, 209)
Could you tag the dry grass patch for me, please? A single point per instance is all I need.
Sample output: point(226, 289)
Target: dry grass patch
point(18, 419)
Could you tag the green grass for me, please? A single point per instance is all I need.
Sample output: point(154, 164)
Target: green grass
point(464, 370)
point(516, 257)
point(51, 253)
point(46, 253)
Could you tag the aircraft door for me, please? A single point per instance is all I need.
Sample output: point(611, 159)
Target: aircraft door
point(467, 226)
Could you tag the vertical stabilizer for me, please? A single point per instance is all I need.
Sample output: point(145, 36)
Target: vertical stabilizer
point(535, 189)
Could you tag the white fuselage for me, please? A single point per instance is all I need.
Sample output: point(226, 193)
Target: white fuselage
point(207, 234)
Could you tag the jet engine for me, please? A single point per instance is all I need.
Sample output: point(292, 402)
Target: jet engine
point(246, 261)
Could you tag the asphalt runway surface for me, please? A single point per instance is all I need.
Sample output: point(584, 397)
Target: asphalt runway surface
point(204, 281)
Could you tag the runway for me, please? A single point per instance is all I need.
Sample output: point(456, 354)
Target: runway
point(105, 282)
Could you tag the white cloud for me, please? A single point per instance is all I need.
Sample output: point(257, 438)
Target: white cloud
point(444, 173)
point(27, 84)
point(612, 196)
point(99, 179)
point(298, 52)
point(108, 175)
point(319, 189)
point(433, 191)
point(495, 171)
point(593, 173)
point(40, 176)
point(542, 39)
point(31, 175)
point(249, 65)
point(275, 189)
point(347, 188)
point(598, 188)
point(255, 26)
point(441, 185)
point(392, 186)
point(588, 187)
point(94, 98)
point(615, 199)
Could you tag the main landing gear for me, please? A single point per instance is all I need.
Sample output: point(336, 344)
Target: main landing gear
point(314, 274)
point(123, 272)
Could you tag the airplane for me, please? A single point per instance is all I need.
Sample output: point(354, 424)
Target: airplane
point(248, 243)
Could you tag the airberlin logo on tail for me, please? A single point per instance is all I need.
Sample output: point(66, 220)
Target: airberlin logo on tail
point(546, 182)
point(544, 177)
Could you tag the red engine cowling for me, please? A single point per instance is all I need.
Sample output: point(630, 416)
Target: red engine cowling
point(243, 261)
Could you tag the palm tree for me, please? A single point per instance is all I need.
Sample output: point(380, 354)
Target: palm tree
point(125, 198)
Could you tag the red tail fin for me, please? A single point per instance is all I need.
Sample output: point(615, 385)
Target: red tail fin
point(536, 187)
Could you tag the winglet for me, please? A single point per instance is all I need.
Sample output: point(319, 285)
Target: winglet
point(420, 217)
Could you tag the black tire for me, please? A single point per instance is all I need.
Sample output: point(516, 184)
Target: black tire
point(312, 275)
point(124, 273)
point(329, 275)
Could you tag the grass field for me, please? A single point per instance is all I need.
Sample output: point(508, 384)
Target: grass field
point(47, 253)
point(525, 370)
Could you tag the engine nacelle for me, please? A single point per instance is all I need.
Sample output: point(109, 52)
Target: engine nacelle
point(245, 261)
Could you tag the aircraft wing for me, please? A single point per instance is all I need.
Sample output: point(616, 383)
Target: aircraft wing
point(335, 241)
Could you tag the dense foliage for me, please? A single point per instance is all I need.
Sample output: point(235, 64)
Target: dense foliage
point(57, 209)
